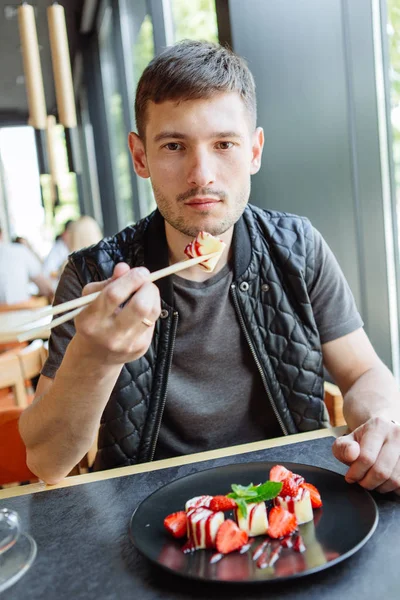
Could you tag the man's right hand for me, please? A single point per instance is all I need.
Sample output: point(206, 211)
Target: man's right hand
point(115, 335)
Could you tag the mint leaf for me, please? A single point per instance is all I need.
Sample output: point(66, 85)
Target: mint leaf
point(253, 494)
point(242, 506)
point(268, 490)
point(242, 491)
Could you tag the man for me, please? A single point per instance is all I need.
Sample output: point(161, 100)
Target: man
point(206, 360)
point(19, 267)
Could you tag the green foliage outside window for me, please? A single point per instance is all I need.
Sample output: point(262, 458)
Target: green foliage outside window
point(195, 20)
point(143, 50)
point(68, 202)
point(394, 74)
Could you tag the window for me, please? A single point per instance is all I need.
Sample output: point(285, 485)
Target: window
point(195, 20)
point(117, 129)
point(139, 50)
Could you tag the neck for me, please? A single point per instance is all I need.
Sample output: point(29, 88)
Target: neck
point(177, 243)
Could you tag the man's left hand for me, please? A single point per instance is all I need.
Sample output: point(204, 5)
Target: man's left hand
point(372, 452)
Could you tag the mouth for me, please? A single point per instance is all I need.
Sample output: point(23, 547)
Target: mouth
point(204, 202)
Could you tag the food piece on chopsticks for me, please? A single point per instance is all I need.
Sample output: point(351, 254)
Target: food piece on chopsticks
point(205, 243)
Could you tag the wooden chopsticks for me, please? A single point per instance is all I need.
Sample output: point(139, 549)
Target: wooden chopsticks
point(27, 330)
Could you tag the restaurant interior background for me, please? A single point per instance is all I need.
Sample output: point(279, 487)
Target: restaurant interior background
point(328, 88)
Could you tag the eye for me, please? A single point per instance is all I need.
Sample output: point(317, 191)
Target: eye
point(173, 146)
point(224, 145)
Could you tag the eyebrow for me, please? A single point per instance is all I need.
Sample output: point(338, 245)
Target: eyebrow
point(183, 136)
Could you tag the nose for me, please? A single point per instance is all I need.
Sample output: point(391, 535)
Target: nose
point(201, 169)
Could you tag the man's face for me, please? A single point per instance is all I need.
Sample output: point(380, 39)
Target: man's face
point(199, 155)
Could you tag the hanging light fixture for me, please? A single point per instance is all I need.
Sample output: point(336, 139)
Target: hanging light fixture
point(53, 162)
point(65, 89)
point(63, 77)
point(34, 81)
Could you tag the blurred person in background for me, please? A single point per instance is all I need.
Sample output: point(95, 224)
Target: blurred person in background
point(18, 268)
point(58, 253)
point(22, 240)
point(83, 233)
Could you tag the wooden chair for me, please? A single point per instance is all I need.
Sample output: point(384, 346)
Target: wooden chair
point(12, 347)
point(13, 467)
point(32, 359)
point(33, 302)
point(11, 377)
point(334, 403)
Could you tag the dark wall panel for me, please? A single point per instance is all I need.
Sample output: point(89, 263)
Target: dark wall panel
point(314, 68)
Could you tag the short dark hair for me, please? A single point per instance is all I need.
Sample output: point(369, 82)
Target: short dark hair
point(191, 70)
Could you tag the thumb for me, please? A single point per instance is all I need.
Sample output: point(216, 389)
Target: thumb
point(346, 449)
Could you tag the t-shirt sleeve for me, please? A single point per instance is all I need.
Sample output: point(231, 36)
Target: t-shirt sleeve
point(69, 288)
point(333, 304)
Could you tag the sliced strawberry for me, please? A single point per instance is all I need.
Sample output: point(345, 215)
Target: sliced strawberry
point(176, 524)
point(222, 503)
point(281, 522)
point(315, 496)
point(298, 479)
point(230, 537)
point(279, 473)
point(290, 487)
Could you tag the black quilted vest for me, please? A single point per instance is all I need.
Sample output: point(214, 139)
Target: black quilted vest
point(273, 269)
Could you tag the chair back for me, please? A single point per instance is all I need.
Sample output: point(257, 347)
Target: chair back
point(13, 467)
point(334, 403)
point(32, 359)
point(11, 377)
point(33, 302)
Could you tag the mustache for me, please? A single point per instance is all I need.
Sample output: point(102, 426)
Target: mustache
point(202, 192)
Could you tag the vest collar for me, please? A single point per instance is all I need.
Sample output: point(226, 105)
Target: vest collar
point(156, 251)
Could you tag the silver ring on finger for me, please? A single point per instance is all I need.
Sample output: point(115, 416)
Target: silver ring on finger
point(147, 322)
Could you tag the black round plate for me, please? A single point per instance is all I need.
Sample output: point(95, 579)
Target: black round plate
point(346, 521)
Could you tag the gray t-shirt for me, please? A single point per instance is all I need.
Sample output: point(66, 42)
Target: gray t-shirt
point(215, 394)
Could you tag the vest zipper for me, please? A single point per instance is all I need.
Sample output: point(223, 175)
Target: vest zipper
point(164, 398)
point(257, 361)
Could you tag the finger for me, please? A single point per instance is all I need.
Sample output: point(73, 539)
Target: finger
point(393, 482)
point(145, 304)
point(371, 443)
point(383, 468)
point(346, 449)
point(121, 289)
point(119, 270)
point(97, 286)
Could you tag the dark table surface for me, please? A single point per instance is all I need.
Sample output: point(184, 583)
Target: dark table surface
point(84, 549)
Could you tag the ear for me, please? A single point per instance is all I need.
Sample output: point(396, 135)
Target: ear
point(256, 150)
point(138, 154)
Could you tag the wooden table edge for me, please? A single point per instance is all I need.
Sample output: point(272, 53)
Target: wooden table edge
point(172, 462)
